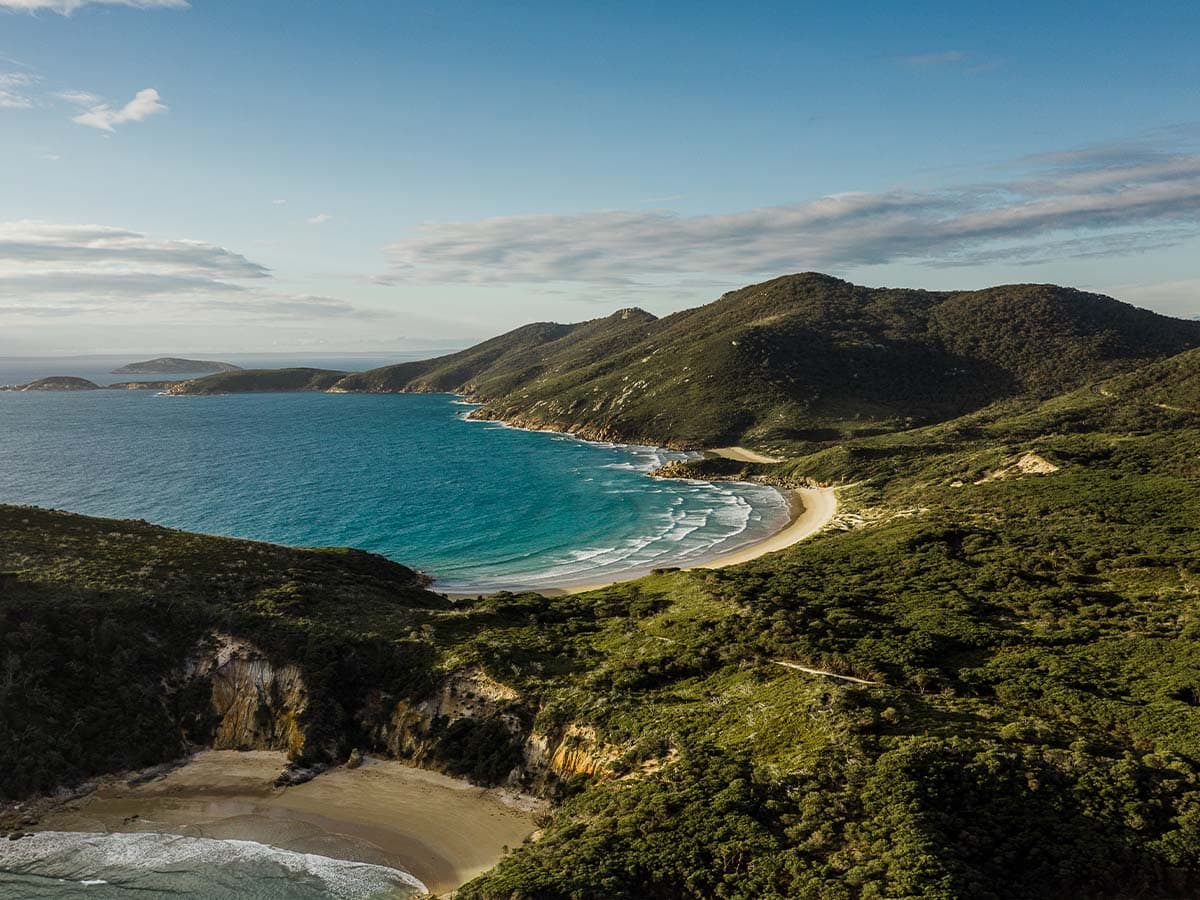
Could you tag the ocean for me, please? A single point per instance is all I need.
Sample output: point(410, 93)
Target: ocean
point(57, 865)
point(476, 505)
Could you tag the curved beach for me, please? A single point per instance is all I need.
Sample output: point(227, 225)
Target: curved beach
point(442, 830)
point(811, 510)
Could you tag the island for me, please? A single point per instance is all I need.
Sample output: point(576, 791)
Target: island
point(54, 383)
point(175, 365)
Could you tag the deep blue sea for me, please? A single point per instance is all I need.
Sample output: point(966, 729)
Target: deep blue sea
point(477, 505)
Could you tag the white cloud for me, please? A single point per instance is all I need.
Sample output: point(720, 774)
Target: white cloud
point(66, 7)
point(99, 114)
point(1091, 204)
point(95, 261)
point(279, 202)
point(80, 98)
point(319, 219)
point(12, 90)
point(53, 271)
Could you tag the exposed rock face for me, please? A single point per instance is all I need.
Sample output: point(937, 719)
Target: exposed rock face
point(546, 758)
point(257, 704)
point(466, 694)
point(1027, 464)
point(576, 751)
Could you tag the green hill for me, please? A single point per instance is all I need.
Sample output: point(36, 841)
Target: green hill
point(1015, 589)
point(58, 383)
point(260, 381)
point(174, 365)
point(797, 359)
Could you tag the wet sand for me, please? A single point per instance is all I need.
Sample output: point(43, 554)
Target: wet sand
point(442, 830)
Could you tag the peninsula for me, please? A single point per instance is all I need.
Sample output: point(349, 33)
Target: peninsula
point(797, 362)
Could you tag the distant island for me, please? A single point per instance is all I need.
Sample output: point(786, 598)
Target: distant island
point(174, 365)
point(55, 383)
point(72, 383)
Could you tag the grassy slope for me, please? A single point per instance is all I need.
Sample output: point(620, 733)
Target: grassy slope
point(261, 381)
point(1036, 731)
point(1038, 735)
point(96, 615)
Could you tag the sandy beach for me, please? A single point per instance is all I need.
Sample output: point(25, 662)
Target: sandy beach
point(811, 510)
point(442, 830)
point(741, 454)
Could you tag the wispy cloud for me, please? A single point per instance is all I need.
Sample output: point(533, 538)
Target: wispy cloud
point(101, 115)
point(319, 219)
point(13, 87)
point(289, 306)
point(54, 270)
point(66, 7)
point(1068, 208)
point(38, 258)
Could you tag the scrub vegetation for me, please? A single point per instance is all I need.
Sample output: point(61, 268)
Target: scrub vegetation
point(1015, 592)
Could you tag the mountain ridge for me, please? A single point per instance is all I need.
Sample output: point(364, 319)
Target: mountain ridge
point(796, 359)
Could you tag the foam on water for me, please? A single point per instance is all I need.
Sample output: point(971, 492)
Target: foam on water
point(56, 864)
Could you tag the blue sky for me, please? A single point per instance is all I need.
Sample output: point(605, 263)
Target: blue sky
point(374, 175)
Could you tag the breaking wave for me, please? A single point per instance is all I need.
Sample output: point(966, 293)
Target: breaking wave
point(53, 864)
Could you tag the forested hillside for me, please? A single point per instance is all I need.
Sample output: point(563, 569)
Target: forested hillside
point(982, 682)
point(799, 359)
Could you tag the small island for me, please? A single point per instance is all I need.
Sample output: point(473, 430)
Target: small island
point(174, 365)
point(55, 383)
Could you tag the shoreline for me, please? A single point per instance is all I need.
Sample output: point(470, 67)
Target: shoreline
point(801, 523)
point(442, 830)
point(811, 510)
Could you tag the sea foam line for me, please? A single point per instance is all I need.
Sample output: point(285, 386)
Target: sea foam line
point(83, 856)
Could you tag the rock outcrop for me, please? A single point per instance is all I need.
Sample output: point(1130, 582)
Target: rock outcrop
point(546, 757)
point(258, 705)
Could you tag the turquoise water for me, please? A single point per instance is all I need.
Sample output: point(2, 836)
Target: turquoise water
point(475, 504)
point(60, 865)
